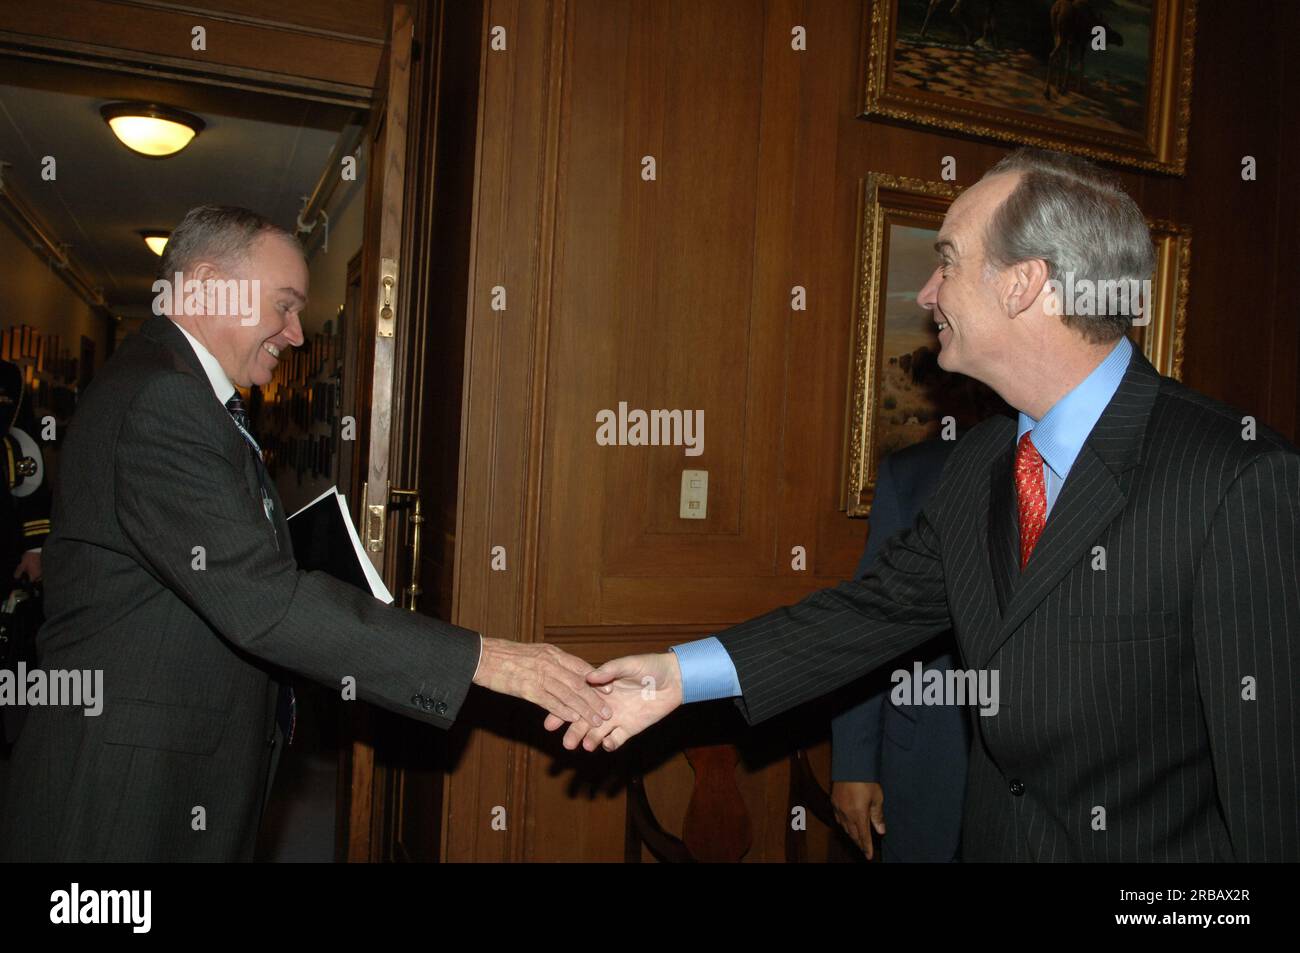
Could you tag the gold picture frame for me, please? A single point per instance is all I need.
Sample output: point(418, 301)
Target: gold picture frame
point(893, 214)
point(1162, 340)
point(986, 90)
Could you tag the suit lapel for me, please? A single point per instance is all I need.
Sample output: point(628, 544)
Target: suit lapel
point(1088, 502)
point(972, 598)
point(163, 330)
point(1094, 493)
point(1004, 529)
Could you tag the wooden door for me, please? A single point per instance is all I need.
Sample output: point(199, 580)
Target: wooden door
point(364, 795)
point(407, 386)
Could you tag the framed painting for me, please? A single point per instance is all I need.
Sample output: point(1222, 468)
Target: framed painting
point(1161, 338)
point(1109, 79)
point(898, 394)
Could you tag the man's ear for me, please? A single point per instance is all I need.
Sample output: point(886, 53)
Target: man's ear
point(202, 271)
point(1027, 280)
point(205, 272)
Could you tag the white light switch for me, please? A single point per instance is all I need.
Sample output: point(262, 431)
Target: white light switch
point(695, 494)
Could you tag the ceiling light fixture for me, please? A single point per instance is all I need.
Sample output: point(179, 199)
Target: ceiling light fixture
point(151, 130)
point(156, 241)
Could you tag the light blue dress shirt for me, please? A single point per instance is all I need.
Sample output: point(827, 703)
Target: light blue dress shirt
point(1060, 435)
point(707, 669)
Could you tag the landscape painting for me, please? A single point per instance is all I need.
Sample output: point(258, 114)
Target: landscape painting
point(1105, 78)
point(899, 395)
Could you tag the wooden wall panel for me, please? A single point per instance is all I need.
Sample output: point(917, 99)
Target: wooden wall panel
point(1286, 367)
point(676, 294)
point(1249, 358)
point(503, 400)
point(356, 18)
point(681, 331)
point(306, 50)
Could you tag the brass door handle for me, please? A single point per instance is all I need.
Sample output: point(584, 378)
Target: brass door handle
point(376, 517)
point(417, 519)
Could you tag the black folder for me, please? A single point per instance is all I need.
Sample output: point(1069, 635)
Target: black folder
point(325, 540)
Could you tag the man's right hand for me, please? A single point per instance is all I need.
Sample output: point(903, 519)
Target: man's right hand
point(860, 806)
point(545, 676)
point(641, 690)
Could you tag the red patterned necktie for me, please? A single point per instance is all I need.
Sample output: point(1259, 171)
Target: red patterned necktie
point(1031, 493)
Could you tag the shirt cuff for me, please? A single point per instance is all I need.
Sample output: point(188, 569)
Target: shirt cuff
point(707, 671)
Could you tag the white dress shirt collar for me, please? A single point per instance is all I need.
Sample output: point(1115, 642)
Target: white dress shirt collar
point(221, 385)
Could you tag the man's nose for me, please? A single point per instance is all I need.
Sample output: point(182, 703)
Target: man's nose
point(928, 296)
point(293, 330)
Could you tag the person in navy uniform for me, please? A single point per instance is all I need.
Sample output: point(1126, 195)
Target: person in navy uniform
point(25, 508)
point(915, 757)
point(24, 524)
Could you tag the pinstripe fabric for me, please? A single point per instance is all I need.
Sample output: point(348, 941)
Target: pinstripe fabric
point(1148, 656)
point(153, 468)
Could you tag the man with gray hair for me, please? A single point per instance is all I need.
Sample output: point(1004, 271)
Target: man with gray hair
point(171, 571)
point(1126, 557)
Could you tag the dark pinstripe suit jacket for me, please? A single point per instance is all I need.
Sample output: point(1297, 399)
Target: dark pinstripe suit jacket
point(153, 468)
point(1149, 655)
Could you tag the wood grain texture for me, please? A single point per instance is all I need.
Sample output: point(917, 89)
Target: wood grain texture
point(299, 49)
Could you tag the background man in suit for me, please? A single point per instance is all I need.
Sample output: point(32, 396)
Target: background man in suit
point(915, 754)
point(170, 569)
point(1144, 637)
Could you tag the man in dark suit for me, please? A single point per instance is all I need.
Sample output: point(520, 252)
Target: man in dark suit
point(1121, 567)
point(914, 753)
point(170, 570)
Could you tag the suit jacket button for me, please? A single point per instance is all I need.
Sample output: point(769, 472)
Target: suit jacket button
point(440, 708)
point(428, 704)
point(1017, 787)
point(417, 701)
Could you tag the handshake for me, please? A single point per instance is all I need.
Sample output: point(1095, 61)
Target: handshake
point(603, 707)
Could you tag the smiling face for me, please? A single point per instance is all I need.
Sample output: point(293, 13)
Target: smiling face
point(965, 300)
point(249, 350)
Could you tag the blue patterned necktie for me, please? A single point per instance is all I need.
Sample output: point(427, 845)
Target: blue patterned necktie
point(240, 415)
point(287, 706)
point(237, 410)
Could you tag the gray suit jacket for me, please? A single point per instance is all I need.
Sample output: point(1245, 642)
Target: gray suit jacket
point(917, 753)
point(1147, 656)
point(165, 573)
